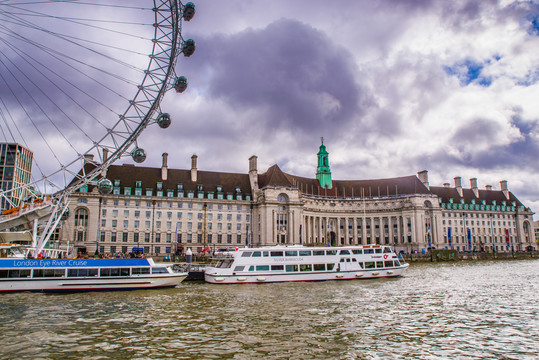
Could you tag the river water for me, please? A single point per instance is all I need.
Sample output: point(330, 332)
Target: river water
point(467, 310)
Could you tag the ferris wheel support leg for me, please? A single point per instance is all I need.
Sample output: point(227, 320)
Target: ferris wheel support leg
point(34, 234)
point(52, 223)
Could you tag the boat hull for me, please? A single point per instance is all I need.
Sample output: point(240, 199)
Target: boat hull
point(91, 284)
point(261, 278)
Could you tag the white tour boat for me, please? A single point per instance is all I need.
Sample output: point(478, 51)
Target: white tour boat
point(299, 263)
point(85, 274)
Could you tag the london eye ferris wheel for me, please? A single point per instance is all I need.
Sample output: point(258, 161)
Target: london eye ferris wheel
point(79, 82)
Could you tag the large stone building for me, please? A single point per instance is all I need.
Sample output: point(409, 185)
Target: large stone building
point(163, 210)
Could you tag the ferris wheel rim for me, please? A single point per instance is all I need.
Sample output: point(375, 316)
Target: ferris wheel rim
point(125, 131)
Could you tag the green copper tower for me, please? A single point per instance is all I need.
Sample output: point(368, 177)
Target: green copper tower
point(323, 174)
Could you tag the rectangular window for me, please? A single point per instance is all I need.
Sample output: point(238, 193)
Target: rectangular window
point(124, 237)
point(113, 237)
point(291, 268)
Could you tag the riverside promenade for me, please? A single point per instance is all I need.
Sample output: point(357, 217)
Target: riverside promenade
point(452, 255)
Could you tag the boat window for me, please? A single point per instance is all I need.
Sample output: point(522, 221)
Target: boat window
point(265, 253)
point(262, 267)
point(159, 270)
point(360, 264)
point(330, 267)
point(277, 267)
point(291, 268)
point(291, 253)
point(369, 265)
point(252, 268)
point(305, 267)
point(357, 251)
point(49, 273)
point(388, 264)
point(140, 271)
point(15, 273)
point(110, 271)
point(331, 252)
point(225, 264)
point(81, 272)
point(378, 251)
point(276, 253)
point(368, 251)
point(379, 264)
point(124, 272)
point(318, 252)
point(345, 252)
point(239, 268)
point(397, 263)
point(319, 267)
point(248, 253)
point(256, 254)
point(305, 253)
point(387, 250)
point(342, 259)
point(354, 260)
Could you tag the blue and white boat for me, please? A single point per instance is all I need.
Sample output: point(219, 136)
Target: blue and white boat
point(85, 274)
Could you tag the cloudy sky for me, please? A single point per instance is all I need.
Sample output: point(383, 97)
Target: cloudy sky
point(393, 87)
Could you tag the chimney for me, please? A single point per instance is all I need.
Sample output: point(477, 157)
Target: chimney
point(446, 185)
point(164, 168)
point(424, 178)
point(458, 185)
point(194, 168)
point(473, 185)
point(253, 175)
point(488, 187)
point(88, 158)
point(503, 185)
point(105, 158)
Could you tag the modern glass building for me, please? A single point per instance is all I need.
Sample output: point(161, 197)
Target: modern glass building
point(15, 172)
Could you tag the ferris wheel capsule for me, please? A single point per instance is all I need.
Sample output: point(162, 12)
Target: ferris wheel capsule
point(188, 47)
point(138, 155)
point(180, 84)
point(163, 120)
point(188, 11)
point(104, 186)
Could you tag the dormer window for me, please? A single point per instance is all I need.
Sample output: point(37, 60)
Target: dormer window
point(117, 183)
point(238, 190)
point(200, 187)
point(219, 188)
point(180, 187)
point(138, 184)
point(159, 186)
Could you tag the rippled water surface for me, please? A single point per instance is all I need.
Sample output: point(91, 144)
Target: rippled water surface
point(483, 310)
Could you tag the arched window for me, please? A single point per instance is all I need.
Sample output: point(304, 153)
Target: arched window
point(81, 217)
point(81, 222)
point(282, 198)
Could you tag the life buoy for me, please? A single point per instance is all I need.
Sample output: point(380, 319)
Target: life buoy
point(385, 256)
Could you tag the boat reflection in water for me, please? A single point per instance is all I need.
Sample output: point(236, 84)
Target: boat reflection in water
point(298, 263)
point(85, 275)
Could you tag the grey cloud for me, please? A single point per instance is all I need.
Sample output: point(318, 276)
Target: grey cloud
point(520, 154)
point(291, 71)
